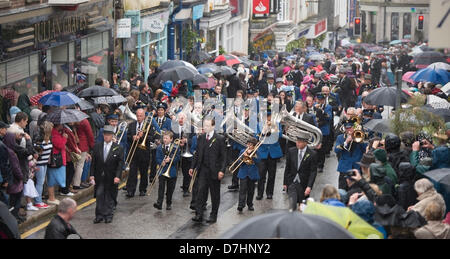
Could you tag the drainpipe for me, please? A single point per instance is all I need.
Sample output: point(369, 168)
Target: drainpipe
point(171, 32)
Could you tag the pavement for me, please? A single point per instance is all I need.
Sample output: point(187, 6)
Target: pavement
point(135, 218)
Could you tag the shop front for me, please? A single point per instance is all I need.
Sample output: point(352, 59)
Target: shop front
point(71, 48)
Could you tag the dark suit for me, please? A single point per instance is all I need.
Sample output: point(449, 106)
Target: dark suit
point(104, 172)
point(141, 158)
point(347, 92)
point(209, 160)
point(307, 173)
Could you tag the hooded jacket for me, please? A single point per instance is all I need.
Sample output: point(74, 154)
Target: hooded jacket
point(15, 184)
point(33, 126)
point(433, 230)
point(426, 198)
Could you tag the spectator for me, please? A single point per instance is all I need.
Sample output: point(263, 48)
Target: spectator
point(5, 169)
point(99, 82)
point(73, 154)
point(330, 196)
point(44, 155)
point(33, 127)
point(23, 103)
point(60, 227)
point(57, 175)
point(366, 210)
point(406, 195)
point(427, 194)
point(435, 228)
point(12, 113)
point(85, 137)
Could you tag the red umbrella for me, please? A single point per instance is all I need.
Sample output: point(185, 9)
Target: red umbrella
point(228, 59)
point(35, 99)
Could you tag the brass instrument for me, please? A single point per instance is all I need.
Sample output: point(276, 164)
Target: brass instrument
point(186, 153)
point(191, 184)
point(240, 134)
point(146, 130)
point(358, 134)
point(122, 127)
point(167, 172)
point(296, 127)
point(129, 114)
point(134, 145)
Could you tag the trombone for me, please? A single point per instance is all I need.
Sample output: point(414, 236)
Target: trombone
point(191, 184)
point(135, 143)
point(121, 131)
point(167, 172)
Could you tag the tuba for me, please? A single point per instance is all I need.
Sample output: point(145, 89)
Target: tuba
point(241, 134)
point(295, 127)
point(129, 115)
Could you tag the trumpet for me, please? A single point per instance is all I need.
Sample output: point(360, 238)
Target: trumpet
point(191, 184)
point(167, 172)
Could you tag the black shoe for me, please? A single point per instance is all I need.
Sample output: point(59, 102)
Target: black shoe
point(108, 220)
point(192, 207)
point(233, 187)
point(239, 208)
point(251, 208)
point(168, 207)
point(158, 206)
point(197, 218)
point(269, 197)
point(142, 194)
point(259, 197)
point(78, 187)
point(212, 219)
point(124, 188)
point(320, 170)
point(98, 220)
point(130, 195)
point(185, 194)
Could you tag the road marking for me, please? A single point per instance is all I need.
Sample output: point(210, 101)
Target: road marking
point(43, 225)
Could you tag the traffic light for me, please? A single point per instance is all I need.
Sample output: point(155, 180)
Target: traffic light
point(357, 26)
point(420, 23)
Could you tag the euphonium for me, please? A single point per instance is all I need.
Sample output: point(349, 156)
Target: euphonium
point(129, 114)
point(241, 133)
point(296, 126)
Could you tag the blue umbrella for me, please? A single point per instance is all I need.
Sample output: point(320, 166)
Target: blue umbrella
point(395, 42)
point(59, 99)
point(429, 74)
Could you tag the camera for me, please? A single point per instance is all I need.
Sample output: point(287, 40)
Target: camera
point(349, 174)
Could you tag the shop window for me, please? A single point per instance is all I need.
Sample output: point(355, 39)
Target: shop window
point(211, 41)
point(394, 26)
point(63, 58)
point(20, 72)
point(94, 57)
point(406, 25)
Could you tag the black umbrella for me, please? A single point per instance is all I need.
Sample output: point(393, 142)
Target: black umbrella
point(109, 99)
point(379, 125)
point(248, 63)
point(444, 113)
point(85, 105)
point(428, 57)
point(385, 96)
point(62, 116)
point(199, 79)
point(96, 91)
point(175, 74)
point(8, 224)
point(208, 68)
point(227, 71)
point(175, 63)
point(200, 56)
point(287, 225)
point(441, 179)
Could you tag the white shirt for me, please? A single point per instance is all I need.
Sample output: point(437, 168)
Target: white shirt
point(106, 148)
point(139, 126)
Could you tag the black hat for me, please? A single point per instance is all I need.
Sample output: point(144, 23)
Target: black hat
point(161, 105)
point(302, 136)
point(250, 91)
point(289, 77)
point(3, 125)
point(366, 160)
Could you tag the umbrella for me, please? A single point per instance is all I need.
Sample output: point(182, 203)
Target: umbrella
point(407, 77)
point(285, 224)
point(441, 112)
point(85, 105)
point(395, 42)
point(62, 116)
point(96, 91)
point(175, 63)
point(227, 59)
point(201, 56)
point(385, 96)
point(175, 74)
point(198, 79)
point(317, 57)
point(210, 84)
point(249, 63)
point(426, 58)
point(59, 99)
point(441, 179)
point(227, 71)
point(8, 224)
point(109, 99)
point(440, 65)
point(344, 217)
point(208, 68)
point(379, 125)
point(446, 88)
point(35, 99)
point(438, 76)
point(437, 102)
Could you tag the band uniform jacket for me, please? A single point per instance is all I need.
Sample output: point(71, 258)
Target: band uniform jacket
point(161, 154)
point(210, 154)
point(308, 167)
point(348, 158)
point(249, 170)
point(166, 123)
point(151, 135)
point(106, 171)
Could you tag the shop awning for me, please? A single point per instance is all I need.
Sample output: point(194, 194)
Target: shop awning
point(183, 14)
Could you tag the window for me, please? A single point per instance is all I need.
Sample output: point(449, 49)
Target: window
point(62, 64)
point(19, 76)
point(406, 25)
point(211, 41)
point(394, 26)
point(95, 58)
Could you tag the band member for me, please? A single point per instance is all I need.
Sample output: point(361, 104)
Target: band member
point(164, 123)
point(136, 132)
point(188, 139)
point(269, 155)
point(348, 151)
point(113, 120)
point(324, 114)
point(300, 113)
point(248, 175)
point(236, 147)
point(106, 170)
point(167, 154)
point(210, 161)
point(300, 171)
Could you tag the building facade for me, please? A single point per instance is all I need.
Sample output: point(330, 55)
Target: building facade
point(395, 19)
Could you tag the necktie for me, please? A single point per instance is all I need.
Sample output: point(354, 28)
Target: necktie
point(300, 157)
point(105, 152)
point(207, 137)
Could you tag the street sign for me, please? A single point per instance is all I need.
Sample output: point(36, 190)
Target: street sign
point(124, 28)
point(439, 24)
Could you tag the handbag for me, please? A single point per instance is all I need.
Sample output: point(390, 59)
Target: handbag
point(75, 157)
point(56, 160)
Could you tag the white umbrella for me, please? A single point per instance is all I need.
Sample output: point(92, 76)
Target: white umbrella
point(440, 65)
point(437, 102)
